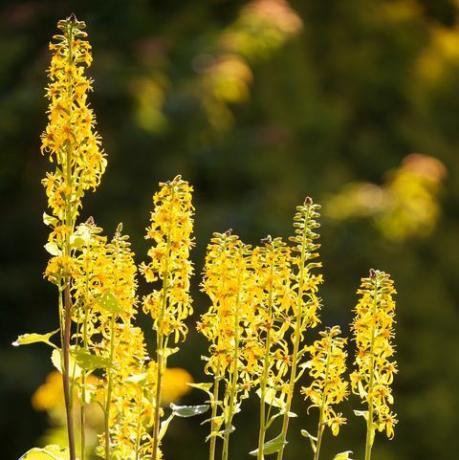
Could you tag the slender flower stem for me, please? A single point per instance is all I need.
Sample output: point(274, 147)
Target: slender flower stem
point(235, 375)
point(214, 403)
point(263, 383)
point(370, 429)
point(320, 425)
point(109, 389)
point(160, 346)
point(69, 221)
point(296, 342)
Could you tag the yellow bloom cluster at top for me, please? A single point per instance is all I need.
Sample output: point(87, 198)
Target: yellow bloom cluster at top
point(375, 368)
point(170, 230)
point(70, 138)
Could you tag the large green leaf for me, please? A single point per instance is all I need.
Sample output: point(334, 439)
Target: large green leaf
point(271, 447)
point(51, 452)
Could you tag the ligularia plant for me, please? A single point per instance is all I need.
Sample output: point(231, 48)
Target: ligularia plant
point(373, 329)
point(263, 307)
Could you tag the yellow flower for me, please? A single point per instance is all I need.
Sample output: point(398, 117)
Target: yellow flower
point(373, 333)
point(326, 367)
point(170, 230)
point(175, 384)
point(70, 139)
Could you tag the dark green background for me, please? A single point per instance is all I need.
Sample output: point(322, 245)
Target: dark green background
point(341, 101)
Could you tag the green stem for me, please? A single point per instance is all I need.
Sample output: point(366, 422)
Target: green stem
point(109, 389)
point(320, 425)
point(263, 383)
point(83, 375)
point(69, 223)
point(160, 358)
point(234, 376)
point(370, 429)
point(296, 341)
point(214, 403)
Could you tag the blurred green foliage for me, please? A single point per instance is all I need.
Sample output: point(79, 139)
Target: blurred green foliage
point(257, 103)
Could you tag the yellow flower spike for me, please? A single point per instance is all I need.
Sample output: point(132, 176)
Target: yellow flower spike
point(131, 397)
point(326, 367)
point(73, 147)
point(373, 329)
point(306, 303)
point(171, 227)
point(271, 265)
point(70, 139)
point(229, 282)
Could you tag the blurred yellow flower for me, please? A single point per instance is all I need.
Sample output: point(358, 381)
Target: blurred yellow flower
point(175, 384)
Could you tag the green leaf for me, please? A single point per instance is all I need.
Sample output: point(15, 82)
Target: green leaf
point(312, 439)
point(75, 370)
point(271, 447)
point(206, 387)
point(361, 413)
point(343, 455)
point(53, 249)
point(50, 220)
point(51, 452)
point(27, 339)
point(271, 399)
point(88, 361)
point(137, 378)
point(109, 302)
point(189, 411)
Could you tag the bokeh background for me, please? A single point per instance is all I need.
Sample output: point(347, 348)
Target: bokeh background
point(257, 103)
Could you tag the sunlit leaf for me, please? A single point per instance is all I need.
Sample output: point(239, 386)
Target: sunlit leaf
point(312, 439)
point(50, 220)
point(27, 339)
point(343, 455)
point(109, 302)
point(189, 411)
point(75, 369)
point(271, 447)
point(53, 249)
point(88, 361)
point(51, 452)
point(206, 387)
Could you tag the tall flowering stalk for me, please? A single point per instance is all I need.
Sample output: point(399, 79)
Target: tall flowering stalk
point(171, 226)
point(306, 303)
point(271, 264)
point(73, 147)
point(326, 367)
point(105, 299)
point(228, 325)
point(373, 329)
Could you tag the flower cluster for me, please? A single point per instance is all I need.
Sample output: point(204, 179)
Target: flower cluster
point(304, 251)
point(271, 265)
point(373, 333)
point(70, 139)
point(170, 230)
point(229, 322)
point(328, 388)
